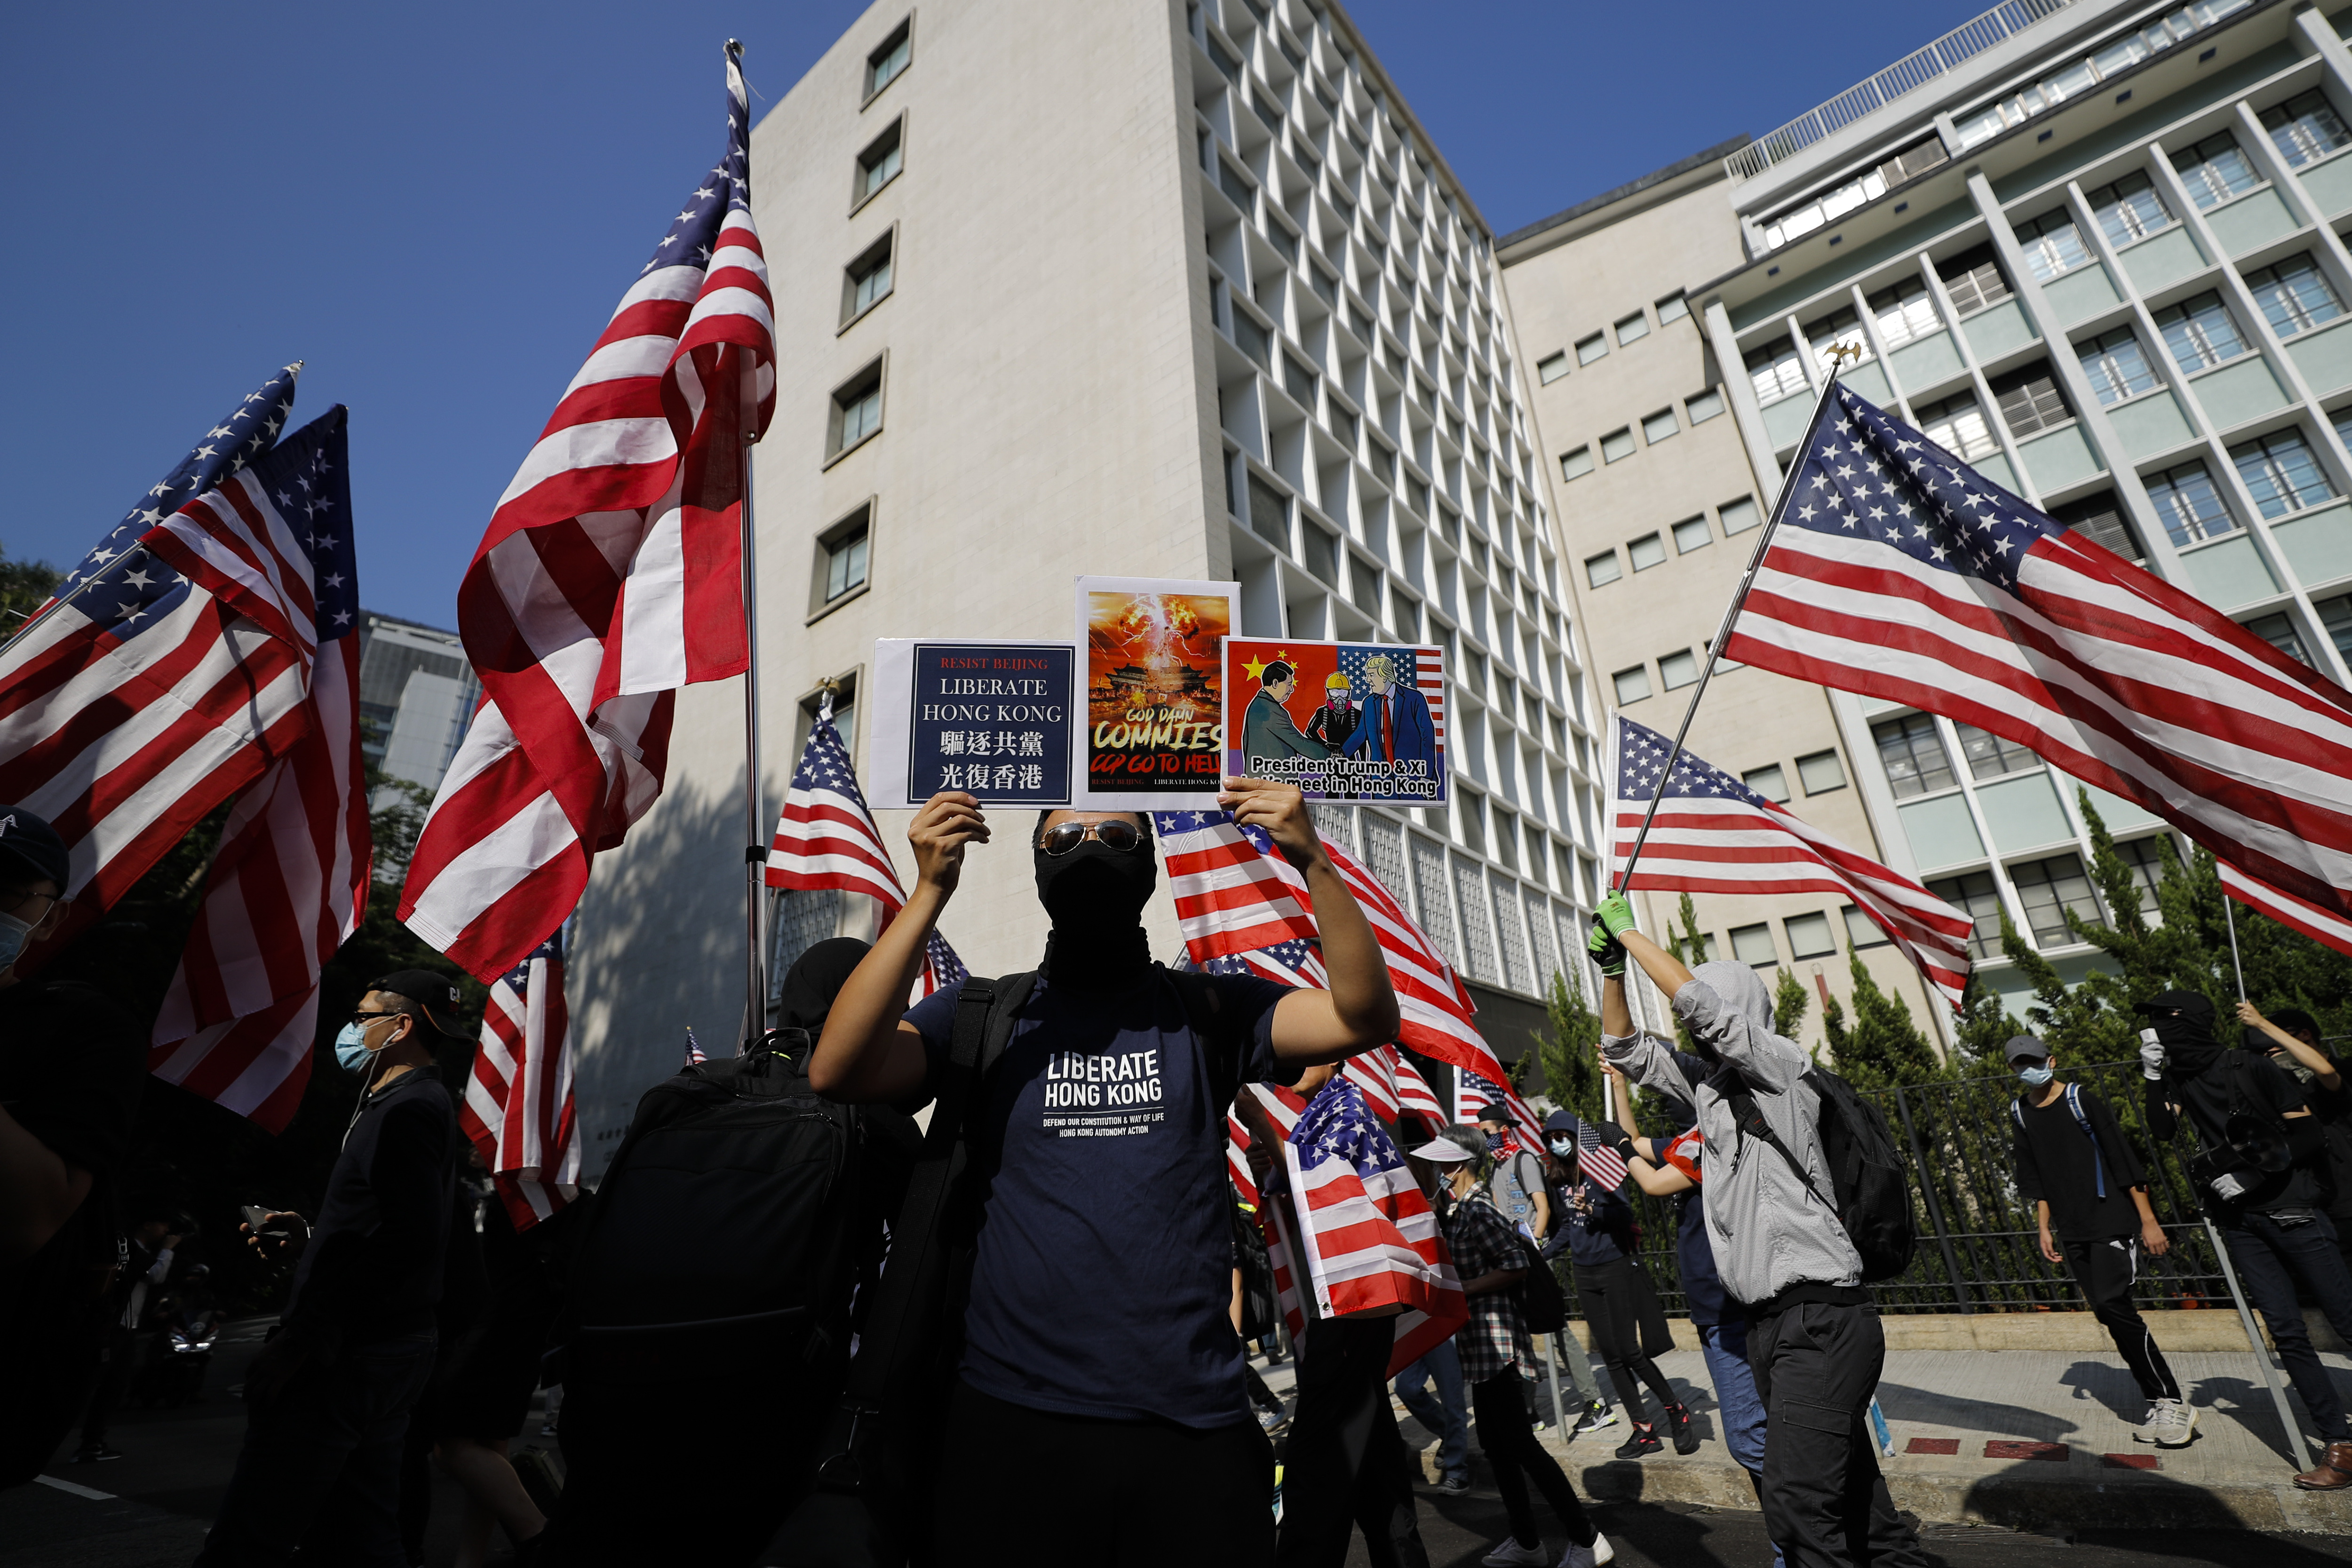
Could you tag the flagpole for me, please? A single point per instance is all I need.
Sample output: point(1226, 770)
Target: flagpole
point(2230, 919)
point(755, 811)
point(1722, 632)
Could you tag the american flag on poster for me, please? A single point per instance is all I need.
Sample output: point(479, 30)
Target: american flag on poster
point(1712, 834)
point(825, 838)
point(1233, 893)
point(1428, 676)
point(518, 1110)
point(610, 576)
point(1898, 572)
point(2297, 914)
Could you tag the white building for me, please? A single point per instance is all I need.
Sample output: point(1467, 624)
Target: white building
point(418, 691)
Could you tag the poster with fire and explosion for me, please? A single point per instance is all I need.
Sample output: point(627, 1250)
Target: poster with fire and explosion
point(1153, 737)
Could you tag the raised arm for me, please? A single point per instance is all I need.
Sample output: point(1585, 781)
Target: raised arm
point(2322, 1070)
point(869, 1053)
point(1358, 1013)
point(1763, 1058)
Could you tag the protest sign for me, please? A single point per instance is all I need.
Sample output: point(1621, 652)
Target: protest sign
point(996, 720)
point(1342, 721)
point(1153, 693)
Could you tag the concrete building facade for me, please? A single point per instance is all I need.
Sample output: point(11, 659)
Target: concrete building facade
point(417, 693)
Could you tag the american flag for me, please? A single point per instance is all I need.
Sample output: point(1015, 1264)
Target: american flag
point(517, 1109)
point(1714, 835)
point(694, 1056)
point(130, 713)
point(1393, 1086)
point(611, 575)
point(289, 881)
point(1475, 1091)
point(2297, 914)
point(1233, 893)
point(1595, 1160)
point(826, 838)
point(1898, 572)
point(1369, 1237)
point(1423, 666)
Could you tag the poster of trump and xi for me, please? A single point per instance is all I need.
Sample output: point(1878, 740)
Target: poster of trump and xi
point(1342, 721)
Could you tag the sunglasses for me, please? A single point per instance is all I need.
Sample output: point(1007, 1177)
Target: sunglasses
point(1117, 834)
point(365, 1019)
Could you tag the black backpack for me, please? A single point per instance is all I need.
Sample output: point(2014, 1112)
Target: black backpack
point(733, 1227)
point(1540, 1301)
point(1869, 1190)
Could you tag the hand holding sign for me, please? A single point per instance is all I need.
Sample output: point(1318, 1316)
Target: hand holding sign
point(947, 823)
point(1280, 810)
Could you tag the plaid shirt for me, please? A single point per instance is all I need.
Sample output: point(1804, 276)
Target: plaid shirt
point(1495, 1337)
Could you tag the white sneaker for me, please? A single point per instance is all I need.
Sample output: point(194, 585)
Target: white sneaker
point(1591, 1556)
point(1511, 1554)
point(2171, 1423)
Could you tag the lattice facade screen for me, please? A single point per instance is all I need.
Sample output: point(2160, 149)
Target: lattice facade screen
point(1539, 942)
point(1334, 825)
point(1436, 903)
point(1384, 853)
point(1477, 935)
point(1512, 942)
point(797, 921)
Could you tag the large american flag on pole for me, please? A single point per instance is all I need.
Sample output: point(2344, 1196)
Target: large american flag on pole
point(1712, 834)
point(2297, 914)
point(289, 881)
point(826, 838)
point(1898, 572)
point(610, 576)
point(517, 1109)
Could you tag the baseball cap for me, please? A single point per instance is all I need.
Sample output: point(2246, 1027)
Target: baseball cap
point(1442, 1151)
point(2196, 1005)
point(28, 843)
point(433, 994)
point(2291, 1019)
point(2024, 1048)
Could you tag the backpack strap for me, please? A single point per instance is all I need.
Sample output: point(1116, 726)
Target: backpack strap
point(2083, 1121)
point(1750, 1118)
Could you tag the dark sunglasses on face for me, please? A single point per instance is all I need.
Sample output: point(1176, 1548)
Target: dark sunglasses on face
point(1118, 833)
point(365, 1019)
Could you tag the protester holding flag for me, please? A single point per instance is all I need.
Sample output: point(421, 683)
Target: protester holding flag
point(1561, 1129)
point(1620, 1305)
point(1103, 1124)
point(2291, 1037)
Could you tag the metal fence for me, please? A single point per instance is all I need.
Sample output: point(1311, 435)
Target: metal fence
point(1977, 1249)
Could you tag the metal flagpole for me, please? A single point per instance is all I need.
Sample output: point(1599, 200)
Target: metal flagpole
point(755, 808)
point(1722, 632)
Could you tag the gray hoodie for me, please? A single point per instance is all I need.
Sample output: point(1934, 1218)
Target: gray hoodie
point(1769, 1231)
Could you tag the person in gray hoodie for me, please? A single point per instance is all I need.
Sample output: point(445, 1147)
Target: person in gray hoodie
point(1814, 1341)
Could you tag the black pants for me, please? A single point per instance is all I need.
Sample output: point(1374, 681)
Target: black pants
point(1613, 1295)
point(321, 1466)
point(121, 1360)
point(2271, 1258)
point(1500, 1406)
point(1346, 1463)
point(2105, 1270)
point(1825, 1503)
point(1021, 1488)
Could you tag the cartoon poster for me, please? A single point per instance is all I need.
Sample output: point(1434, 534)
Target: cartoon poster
point(1343, 720)
point(1154, 697)
point(991, 718)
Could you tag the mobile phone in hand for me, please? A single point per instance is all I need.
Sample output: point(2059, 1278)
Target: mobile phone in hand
point(262, 1224)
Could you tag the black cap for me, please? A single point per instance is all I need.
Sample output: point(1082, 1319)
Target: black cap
point(1561, 1122)
point(433, 994)
point(2196, 1005)
point(2024, 1048)
point(2295, 1020)
point(28, 841)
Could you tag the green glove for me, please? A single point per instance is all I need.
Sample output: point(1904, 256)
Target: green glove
point(1607, 951)
point(1615, 914)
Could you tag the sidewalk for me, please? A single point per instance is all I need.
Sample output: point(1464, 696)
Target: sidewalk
point(2022, 1438)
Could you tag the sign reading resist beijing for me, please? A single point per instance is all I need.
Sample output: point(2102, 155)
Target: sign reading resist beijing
point(991, 719)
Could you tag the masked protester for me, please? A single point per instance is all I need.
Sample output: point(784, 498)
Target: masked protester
point(328, 1398)
point(2290, 1038)
point(1814, 1342)
point(1621, 1312)
point(2089, 1194)
point(1099, 1410)
point(2264, 1178)
point(1594, 1411)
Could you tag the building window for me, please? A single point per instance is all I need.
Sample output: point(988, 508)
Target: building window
point(1269, 513)
point(1809, 936)
point(2100, 519)
point(2306, 128)
point(1678, 669)
point(2199, 332)
point(1738, 516)
point(2030, 402)
point(1821, 772)
point(1577, 464)
point(1690, 535)
point(1617, 444)
point(2278, 630)
point(1973, 894)
point(2053, 245)
point(1632, 685)
point(2294, 294)
point(1905, 312)
point(880, 162)
point(841, 558)
point(856, 410)
point(1321, 554)
point(1648, 552)
point(889, 62)
point(1299, 382)
point(2129, 210)
point(2336, 619)
point(1974, 280)
point(1551, 367)
point(1768, 781)
point(1992, 756)
point(1592, 348)
point(1632, 328)
point(2214, 171)
point(2117, 365)
point(1672, 307)
point(2147, 862)
point(1660, 426)
point(867, 282)
point(1913, 754)
point(1861, 931)
point(1603, 569)
point(2047, 889)
point(1776, 371)
point(1753, 945)
point(2281, 472)
point(1704, 406)
point(2189, 506)
point(1840, 329)
point(1958, 424)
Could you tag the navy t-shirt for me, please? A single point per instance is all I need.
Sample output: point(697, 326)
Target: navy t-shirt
point(1103, 1283)
point(1709, 1302)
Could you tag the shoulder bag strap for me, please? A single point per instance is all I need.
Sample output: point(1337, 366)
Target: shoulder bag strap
point(1750, 1119)
point(2083, 1121)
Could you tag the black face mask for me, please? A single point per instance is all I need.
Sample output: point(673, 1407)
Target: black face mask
point(1095, 896)
point(2188, 1046)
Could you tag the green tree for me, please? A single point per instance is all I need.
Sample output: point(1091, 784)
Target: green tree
point(1984, 1026)
point(1885, 1047)
point(1570, 1067)
point(1789, 1000)
point(23, 586)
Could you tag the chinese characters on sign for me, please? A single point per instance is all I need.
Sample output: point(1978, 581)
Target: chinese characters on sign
point(1361, 722)
point(991, 718)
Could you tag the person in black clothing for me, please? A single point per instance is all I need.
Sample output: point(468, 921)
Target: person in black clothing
point(2291, 1037)
point(1621, 1309)
point(2262, 1176)
point(72, 1065)
point(2089, 1193)
point(330, 1394)
point(149, 1252)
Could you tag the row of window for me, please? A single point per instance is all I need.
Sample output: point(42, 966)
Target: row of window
point(1734, 517)
point(1911, 751)
point(1810, 935)
point(2046, 888)
point(1629, 330)
point(1618, 445)
point(2087, 72)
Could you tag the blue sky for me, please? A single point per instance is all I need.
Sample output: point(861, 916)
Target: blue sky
point(437, 205)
